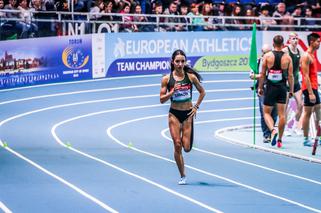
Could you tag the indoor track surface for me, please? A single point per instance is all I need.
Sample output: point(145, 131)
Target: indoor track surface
point(104, 145)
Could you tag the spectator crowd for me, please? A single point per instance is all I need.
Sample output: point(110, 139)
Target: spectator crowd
point(182, 15)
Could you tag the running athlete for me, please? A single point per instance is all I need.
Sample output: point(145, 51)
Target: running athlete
point(177, 86)
point(276, 63)
point(294, 52)
point(310, 86)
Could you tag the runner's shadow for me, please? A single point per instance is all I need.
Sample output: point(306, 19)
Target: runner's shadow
point(201, 183)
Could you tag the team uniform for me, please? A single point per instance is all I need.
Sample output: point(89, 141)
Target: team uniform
point(313, 75)
point(276, 89)
point(296, 69)
point(183, 93)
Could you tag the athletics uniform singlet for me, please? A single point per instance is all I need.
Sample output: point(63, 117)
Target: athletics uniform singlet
point(276, 82)
point(183, 93)
point(313, 75)
point(296, 69)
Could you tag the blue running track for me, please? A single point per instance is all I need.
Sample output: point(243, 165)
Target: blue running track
point(103, 146)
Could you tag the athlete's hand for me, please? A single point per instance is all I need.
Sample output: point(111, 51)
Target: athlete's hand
point(312, 98)
point(260, 92)
point(193, 112)
point(290, 94)
point(174, 88)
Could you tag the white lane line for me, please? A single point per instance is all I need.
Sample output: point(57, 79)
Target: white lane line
point(70, 185)
point(4, 208)
point(79, 82)
point(77, 92)
point(110, 79)
point(114, 99)
point(203, 205)
point(110, 111)
point(107, 89)
point(109, 130)
point(163, 133)
point(193, 168)
point(219, 134)
point(74, 104)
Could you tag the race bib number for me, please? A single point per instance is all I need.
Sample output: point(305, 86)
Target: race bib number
point(275, 75)
point(182, 93)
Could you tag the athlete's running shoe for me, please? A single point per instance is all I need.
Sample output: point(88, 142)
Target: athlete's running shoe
point(307, 142)
point(279, 143)
point(266, 140)
point(182, 181)
point(274, 135)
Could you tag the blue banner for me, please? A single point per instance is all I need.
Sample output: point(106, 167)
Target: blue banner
point(150, 53)
point(45, 60)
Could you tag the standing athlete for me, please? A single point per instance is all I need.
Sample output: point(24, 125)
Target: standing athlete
point(294, 52)
point(178, 86)
point(276, 64)
point(310, 86)
point(265, 130)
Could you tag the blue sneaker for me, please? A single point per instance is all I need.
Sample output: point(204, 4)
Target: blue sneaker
point(307, 142)
point(274, 135)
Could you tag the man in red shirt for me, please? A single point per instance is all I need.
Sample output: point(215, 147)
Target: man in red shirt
point(310, 85)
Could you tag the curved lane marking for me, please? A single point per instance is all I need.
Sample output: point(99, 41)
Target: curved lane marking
point(163, 133)
point(202, 171)
point(4, 208)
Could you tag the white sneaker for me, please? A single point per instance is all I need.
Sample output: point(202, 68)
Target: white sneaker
point(182, 181)
point(298, 131)
point(287, 133)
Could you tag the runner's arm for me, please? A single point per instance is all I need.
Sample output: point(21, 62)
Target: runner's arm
point(305, 73)
point(164, 95)
point(290, 75)
point(200, 89)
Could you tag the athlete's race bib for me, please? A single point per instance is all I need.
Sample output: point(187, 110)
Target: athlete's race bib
point(275, 75)
point(183, 93)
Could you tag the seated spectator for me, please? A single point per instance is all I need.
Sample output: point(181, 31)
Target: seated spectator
point(36, 5)
point(26, 17)
point(2, 14)
point(108, 8)
point(184, 20)
point(297, 13)
point(11, 6)
point(249, 13)
point(237, 12)
point(220, 11)
point(309, 19)
point(96, 10)
point(62, 6)
point(24, 14)
point(198, 23)
point(141, 27)
point(265, 19)
point(172, 10)
point(127, 20)
point(283, 17)
point(158, 10)
point(207, 10)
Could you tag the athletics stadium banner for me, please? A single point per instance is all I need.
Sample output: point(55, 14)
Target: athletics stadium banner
point(302, 44)
point(45, 60)
point(149, 53)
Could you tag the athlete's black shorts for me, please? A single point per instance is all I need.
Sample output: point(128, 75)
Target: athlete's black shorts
point(181, 115)
point(307, 99)
point(275, 94)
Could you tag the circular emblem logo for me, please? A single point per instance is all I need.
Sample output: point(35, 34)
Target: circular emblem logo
point(74, 58)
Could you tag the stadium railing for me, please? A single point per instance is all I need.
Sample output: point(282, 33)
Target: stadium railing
point(54, 23)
